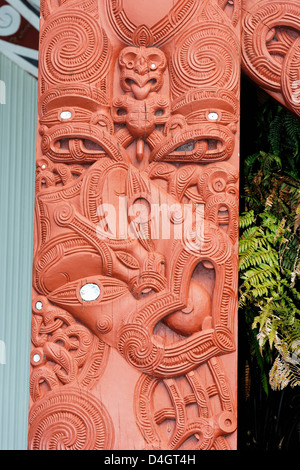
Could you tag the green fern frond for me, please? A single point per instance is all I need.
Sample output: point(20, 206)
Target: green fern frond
point(264, 288)
point(257, 275)
point(269, 249)
point(246, 219)
point(284, 133)
point(256, 257)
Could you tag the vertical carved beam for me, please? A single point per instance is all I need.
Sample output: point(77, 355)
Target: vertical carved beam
point(271, 48)
point(134, 321)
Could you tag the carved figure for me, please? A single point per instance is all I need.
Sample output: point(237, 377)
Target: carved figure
point(141, 108)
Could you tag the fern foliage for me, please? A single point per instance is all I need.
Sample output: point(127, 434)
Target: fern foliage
point(269, 253)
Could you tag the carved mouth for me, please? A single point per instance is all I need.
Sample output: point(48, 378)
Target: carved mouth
point(141, 88)
point(140, 81)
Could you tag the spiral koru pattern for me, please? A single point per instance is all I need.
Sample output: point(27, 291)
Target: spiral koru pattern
point(136, 347)
point(64, 214)
point(70, 419)
point(104, 324)
point(205, 56)
point(73, 48)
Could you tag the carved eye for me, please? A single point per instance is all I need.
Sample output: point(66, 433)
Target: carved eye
point(128, 59)
point(89, 292)
point(65, 115)
point(39, 305)
point(156, 60)
point(213, 116)
point(102, 123)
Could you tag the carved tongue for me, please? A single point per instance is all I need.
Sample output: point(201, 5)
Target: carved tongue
point(141, 92)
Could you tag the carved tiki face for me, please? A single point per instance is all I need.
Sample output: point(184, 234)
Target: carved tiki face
point(142, 70)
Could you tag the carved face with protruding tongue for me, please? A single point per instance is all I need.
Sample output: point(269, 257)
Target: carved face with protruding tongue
point(142, 70)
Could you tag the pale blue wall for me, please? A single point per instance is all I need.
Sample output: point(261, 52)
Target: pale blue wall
point(17, 157)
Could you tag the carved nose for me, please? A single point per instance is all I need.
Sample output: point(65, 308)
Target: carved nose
point(155, 262)
point(152, 277)
point(141, 67)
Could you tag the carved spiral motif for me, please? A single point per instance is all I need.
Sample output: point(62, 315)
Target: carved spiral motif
point(104, 324)
point(64, 214)
point(73, 48)
point(259, 56)
point(136, 346)
point(206, 56)
point(70, 420)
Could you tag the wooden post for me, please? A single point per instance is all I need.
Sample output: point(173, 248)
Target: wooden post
point(134, 324)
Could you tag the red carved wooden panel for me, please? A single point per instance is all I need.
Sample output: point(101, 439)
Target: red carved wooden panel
point(271, 48)
point(135, 255)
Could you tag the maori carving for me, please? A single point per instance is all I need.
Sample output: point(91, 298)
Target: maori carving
point(271, 48)
point(178, 17)
point(141, 108)
point(135, 254)
point(74, 420)
point(59, 42)
point(201, 430)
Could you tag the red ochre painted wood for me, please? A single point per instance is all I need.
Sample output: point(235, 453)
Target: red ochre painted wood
point(271, 48)
point(134, 320)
